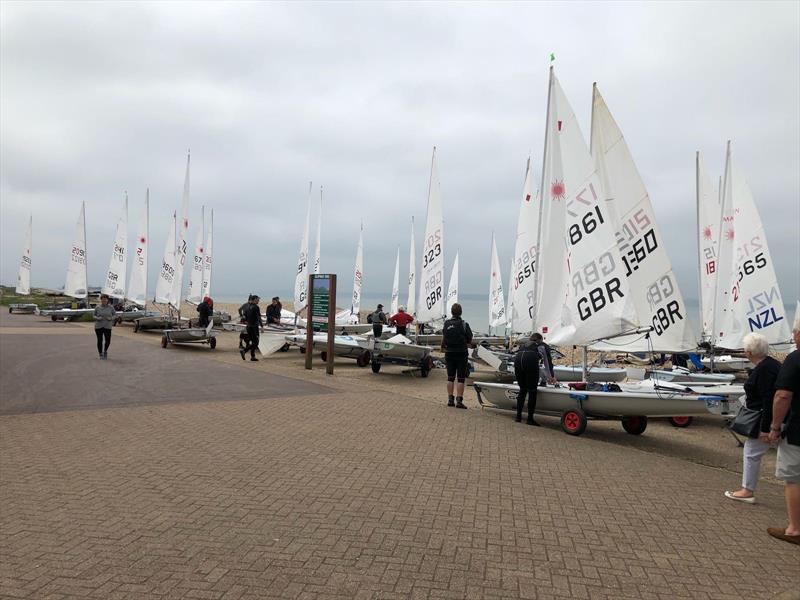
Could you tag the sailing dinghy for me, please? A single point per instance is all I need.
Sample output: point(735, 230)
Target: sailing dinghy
point(24, 275)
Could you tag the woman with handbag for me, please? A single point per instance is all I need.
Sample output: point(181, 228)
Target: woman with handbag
point(755, 416)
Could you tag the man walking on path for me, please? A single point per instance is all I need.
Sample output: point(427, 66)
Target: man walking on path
point(252, 317)
point(787, 467)
point(104, 316)
point(456, 338)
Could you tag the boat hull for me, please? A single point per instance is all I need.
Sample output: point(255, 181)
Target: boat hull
point(23, 309)
point(727, 364)
point(598, 404)
point(685, 376)
point(595, 374)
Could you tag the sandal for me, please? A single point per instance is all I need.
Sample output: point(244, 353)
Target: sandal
point(748, 499)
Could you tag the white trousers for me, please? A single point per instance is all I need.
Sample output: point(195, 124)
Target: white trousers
point(754, 449)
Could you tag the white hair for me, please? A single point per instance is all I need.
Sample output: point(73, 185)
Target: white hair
point(756, 344)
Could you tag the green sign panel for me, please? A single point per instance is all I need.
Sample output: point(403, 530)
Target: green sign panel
point(320, 301)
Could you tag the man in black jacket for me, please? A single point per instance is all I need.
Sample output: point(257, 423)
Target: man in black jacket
point(254, 324)
point(274, 311)
point(456, 338)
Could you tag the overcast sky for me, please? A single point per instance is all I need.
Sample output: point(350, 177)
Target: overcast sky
point(101, 98)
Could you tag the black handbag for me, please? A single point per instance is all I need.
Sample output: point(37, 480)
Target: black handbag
point(747, 422)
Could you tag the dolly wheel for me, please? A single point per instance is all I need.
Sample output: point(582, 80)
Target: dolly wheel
point(364, 358)
point(53, 318)
point(427, 365)
point(324, 356)
point(573, 422)
point(376, 366)
point(9, 310)
point(212, 342)
point(284, 348)
point(681, 421)
point(164, 341)
point(634, 425)
point(302, 349)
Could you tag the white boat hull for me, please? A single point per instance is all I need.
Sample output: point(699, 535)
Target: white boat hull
point(23, 309)
point(686, 376)
point(727, 364)
point(66, 314)
point(192, 335)
point(595, 374)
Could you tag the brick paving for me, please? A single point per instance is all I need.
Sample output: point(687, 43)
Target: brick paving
point(359, 494)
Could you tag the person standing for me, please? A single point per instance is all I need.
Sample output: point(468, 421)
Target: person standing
point(759, 390)
point(401, 320)
point(244, 308)
point(456, 338)
point(104, 316)
point(787, 468)
point(378, 321)
point(254, 325)
point(274, 311)
point(526, 371)
point(206, 311)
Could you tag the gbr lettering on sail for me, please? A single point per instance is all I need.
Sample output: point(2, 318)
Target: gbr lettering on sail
point(592, 284)
point(434, 283)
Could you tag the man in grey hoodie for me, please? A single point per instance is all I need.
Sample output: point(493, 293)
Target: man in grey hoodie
point(103, 321)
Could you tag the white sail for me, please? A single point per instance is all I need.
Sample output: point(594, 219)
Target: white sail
point(582, 287)
point(431, 286)
point(523, 285)
point(166, 274)
point(497, 301)
point(137, 286)
point(708, 219)
point(319, 235)
point(748, 298)
point(208, 258)
point(76, 284)
point(395, 303)
point(510, 298)
point(117, 273)
point(301, 275)
point(452, 288)
point(24, 275)
point(358, 276)
point(411, 305)
point(195, 293)
point(654, 290)
point(180, 246)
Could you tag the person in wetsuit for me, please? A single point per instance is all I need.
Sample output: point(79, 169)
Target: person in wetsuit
point(206, 310)
point(378, 321)
point(274, 311)
point(254, 325)
point(526, 371)
point(456, 338)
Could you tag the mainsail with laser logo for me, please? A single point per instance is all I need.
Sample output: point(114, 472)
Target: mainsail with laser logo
point(584, 293)
point(431, 286)
point(522, 283)
point(748, 298)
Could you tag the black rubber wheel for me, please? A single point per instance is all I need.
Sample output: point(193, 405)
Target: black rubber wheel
point(364, 359)
point(426, 366)
point(53, 318)
point(324, 356)
point(164, 341)
point(9, 310)
point(212, 342)
point(634, 425)
point(376, 366)
point(573, 421)
point(302, 349)
point(681, 421)
point(284, 348)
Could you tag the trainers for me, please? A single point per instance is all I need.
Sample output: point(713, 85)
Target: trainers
point(451, 402)
point(253, 359)
point(105, 354)
point(241, 352)
point(460, 404)
point(518, 419)
point(532, 422)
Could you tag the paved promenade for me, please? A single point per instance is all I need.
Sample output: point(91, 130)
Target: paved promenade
point(187, 473)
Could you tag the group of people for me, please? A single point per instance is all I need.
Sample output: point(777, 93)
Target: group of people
point(400, 320)
point(771, 415)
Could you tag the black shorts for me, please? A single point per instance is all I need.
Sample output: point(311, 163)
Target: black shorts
point(456, 366)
